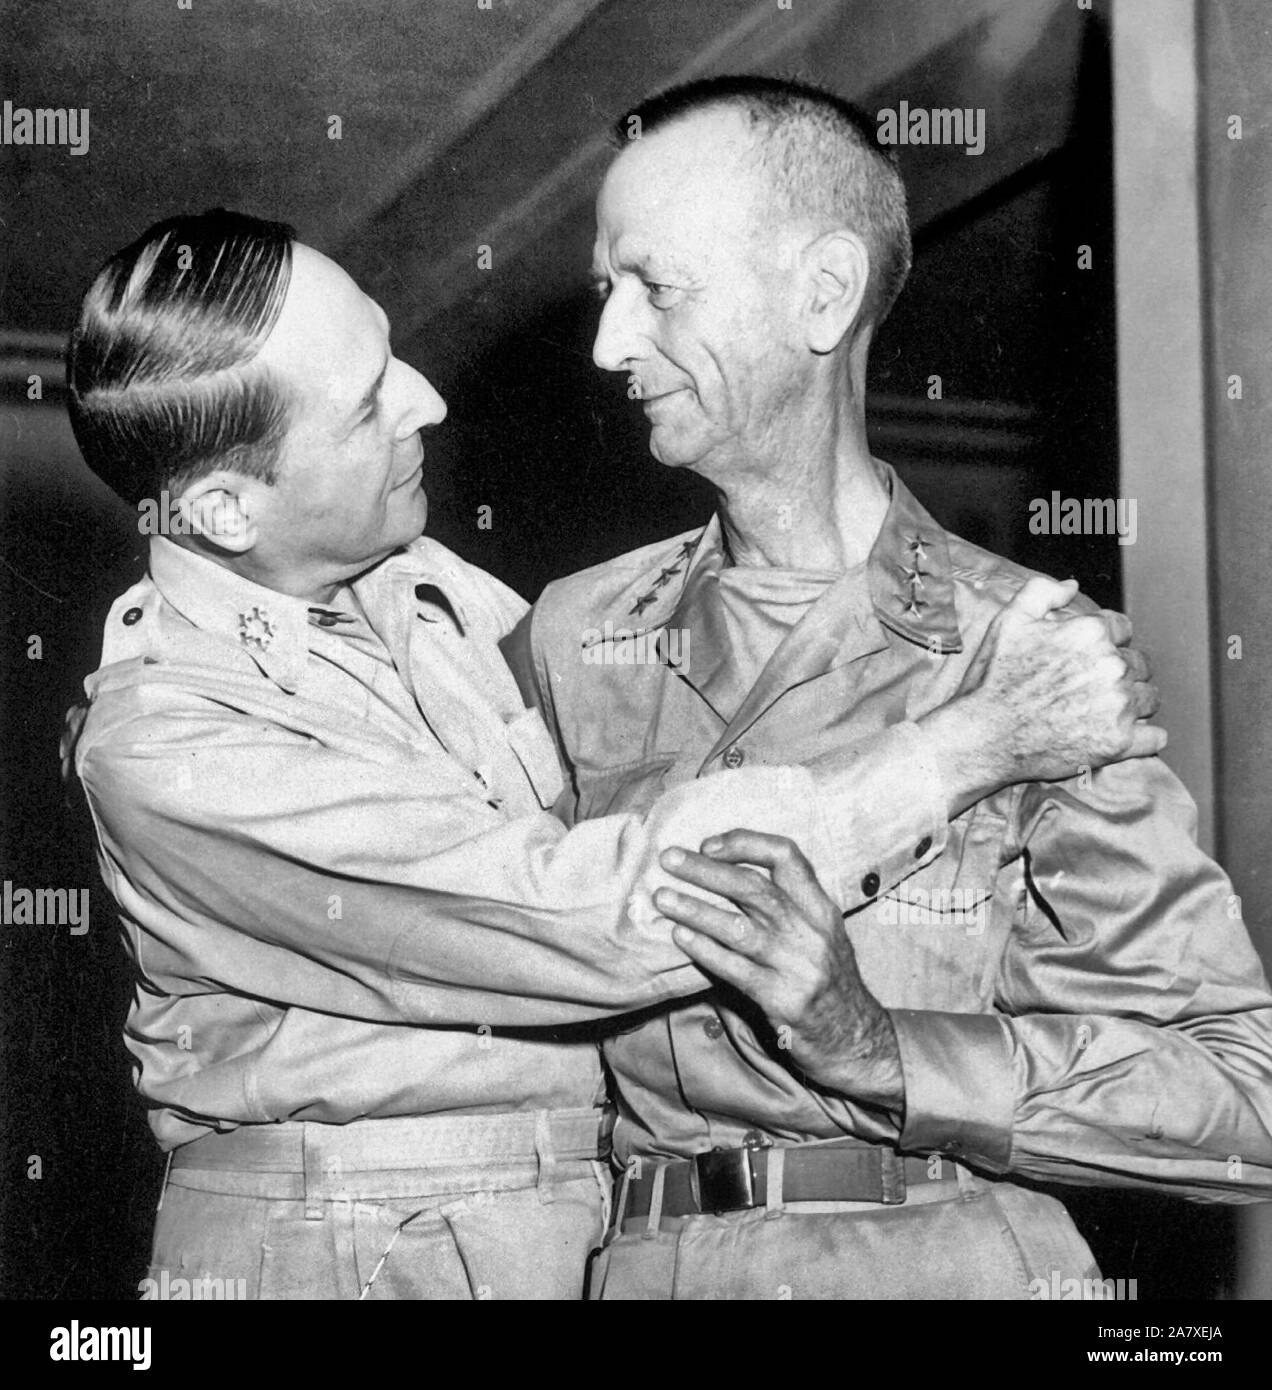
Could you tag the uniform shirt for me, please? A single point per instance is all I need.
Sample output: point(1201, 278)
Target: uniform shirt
point(1074, 994)
point(325, 828)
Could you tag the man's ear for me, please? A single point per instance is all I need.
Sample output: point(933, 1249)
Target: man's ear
point(223, 509)
point(837, 271)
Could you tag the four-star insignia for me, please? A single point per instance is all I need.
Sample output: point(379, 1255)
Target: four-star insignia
point(665, 575)
point(256, 629)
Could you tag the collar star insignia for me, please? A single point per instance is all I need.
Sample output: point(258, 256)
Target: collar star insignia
point(916, 544)
point(913, 577)
point(665, 576)
point(913, 606)
point(256, 629)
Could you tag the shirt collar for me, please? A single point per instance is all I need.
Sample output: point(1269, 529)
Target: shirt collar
point(277, 630)
point(271, 627)
point(911, 587)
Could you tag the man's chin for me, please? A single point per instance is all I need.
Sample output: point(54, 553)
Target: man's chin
point(671, 451)
point(412, 527)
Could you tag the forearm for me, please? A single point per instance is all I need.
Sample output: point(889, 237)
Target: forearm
point(405, 898)
point(970, 763)
point(868, 1065)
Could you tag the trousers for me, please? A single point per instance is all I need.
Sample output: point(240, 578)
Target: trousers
point(975, 1240)
point(468, 1207)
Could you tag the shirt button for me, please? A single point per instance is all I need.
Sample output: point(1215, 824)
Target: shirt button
point(923, 846)
point(870, 885)
point(713, 1028)
point(132, 616)
point(734, 757)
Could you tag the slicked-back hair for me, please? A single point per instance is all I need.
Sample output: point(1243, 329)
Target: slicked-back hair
point(159, 366)
point(821, 157)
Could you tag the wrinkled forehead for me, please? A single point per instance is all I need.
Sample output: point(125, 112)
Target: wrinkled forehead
point(692, 188)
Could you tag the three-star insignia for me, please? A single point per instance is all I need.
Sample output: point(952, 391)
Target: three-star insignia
point(914, 576)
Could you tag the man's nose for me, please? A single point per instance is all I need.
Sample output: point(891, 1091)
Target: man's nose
point(614, 347)
point(424, 405)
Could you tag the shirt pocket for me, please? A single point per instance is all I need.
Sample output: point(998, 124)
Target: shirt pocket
point(529, 739)
point(631, 787)
point(933, 941)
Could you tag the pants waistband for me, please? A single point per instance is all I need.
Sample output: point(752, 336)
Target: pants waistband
point(370, 1159)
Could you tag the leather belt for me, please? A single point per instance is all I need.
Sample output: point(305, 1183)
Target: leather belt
point(725, 1180)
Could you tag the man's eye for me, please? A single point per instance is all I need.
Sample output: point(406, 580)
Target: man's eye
point(660, 296)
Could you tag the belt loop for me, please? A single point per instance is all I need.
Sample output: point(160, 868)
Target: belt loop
point(775, 1171)
point(312, 1158)
point(546, 1157)
point(655, 1201)
point(968, 1183)
point(891, 1177)
point(631, 1170)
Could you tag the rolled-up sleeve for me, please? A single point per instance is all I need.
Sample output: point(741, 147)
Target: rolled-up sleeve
point(1132, 1038)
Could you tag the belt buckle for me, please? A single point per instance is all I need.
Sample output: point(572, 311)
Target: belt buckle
point(725, 1179)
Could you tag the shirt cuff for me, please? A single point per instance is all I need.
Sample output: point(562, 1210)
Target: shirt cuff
point(884, 808)
point(959, 1085)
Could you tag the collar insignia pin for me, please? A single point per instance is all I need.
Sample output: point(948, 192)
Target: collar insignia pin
point(256, 629)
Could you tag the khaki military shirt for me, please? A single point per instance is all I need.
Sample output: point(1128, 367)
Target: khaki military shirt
point(326, 831)
point(1074, 993)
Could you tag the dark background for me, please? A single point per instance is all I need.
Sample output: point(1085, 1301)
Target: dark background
point(463, 128)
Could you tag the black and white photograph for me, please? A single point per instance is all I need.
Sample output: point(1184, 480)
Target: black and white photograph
point(637, 662)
